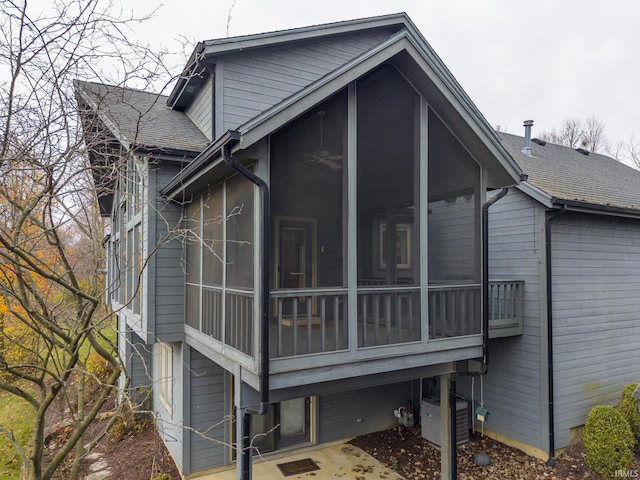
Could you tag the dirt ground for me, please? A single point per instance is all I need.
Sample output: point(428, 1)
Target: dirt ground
point(405, 451)
point(135, 457)
point(402, 449)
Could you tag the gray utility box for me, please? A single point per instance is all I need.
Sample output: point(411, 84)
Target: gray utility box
point(430, 420)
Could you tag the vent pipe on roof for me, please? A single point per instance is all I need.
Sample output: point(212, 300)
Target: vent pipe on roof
point(526, 149)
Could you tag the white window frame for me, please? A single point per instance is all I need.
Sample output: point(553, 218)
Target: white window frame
point(165, 375)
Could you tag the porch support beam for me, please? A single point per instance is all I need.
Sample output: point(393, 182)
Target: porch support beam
point(446, 462)
point(352, 219)
point(243, 431)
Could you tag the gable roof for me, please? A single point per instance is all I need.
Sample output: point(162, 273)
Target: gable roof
point(410, 52)
point(194, 75)
point(114, 118)
point(141, 120)
point(559, 175)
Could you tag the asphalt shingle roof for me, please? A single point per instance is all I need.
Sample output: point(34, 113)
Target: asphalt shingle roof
point(142, 119)
point(567, 174)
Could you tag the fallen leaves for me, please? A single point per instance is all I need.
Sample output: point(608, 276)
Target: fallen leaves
point(405, 451)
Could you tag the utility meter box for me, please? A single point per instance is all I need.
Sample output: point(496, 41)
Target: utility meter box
point(430, 420)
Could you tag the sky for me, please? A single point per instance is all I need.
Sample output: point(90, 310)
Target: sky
point(545, 60)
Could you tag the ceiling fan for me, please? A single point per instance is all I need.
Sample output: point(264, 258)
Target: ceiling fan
point(321, 155)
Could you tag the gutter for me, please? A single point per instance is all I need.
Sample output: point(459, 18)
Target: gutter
point(550, 215)
point(201, 161)
point(576, 205)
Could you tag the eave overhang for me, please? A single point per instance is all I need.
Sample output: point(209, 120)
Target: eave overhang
point(204, 54)
point(190, 178)
point(552, 202)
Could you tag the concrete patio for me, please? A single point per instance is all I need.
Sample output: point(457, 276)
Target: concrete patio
point(335, 460)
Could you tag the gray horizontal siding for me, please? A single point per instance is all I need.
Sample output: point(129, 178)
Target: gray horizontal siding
point(201, 109)
point(167, 292)
point(255, 81)
point(596, 307)
point(513, 386)
point(207, 403)
point(357, 412)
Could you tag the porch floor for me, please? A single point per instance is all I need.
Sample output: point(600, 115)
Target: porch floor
point(336, 460)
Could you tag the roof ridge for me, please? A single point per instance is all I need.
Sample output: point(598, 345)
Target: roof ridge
point(402, 16)
point(558, 145)
point(121, 87)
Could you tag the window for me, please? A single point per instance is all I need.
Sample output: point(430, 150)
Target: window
point(402, 246)
point(128, 237)
point(166, 375)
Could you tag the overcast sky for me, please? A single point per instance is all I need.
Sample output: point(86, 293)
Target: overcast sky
point(545, 60)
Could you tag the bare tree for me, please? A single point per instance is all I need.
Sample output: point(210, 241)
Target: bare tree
point(54, 342)
point(593, 136)
point(568, 134)
point(628, 152)
point(576, 133)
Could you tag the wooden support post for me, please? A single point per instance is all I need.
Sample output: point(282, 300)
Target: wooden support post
point(445, 429)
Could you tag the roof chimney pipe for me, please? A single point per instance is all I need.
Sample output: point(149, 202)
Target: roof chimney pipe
point(527, 137)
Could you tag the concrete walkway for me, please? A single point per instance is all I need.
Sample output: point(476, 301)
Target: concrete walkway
point(340, 460)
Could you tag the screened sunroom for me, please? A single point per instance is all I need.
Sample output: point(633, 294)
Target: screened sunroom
point(375, 241)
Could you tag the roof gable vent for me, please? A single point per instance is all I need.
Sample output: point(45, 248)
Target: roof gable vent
point(582, 151)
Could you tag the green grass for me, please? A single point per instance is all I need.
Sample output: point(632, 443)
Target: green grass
point(15, 415)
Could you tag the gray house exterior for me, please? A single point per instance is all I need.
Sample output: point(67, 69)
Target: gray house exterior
point(296, 237)
point(571, 232)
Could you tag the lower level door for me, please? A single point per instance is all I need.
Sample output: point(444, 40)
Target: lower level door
point(286, 424)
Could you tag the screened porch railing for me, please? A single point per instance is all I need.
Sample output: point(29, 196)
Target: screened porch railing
point(308, 321)
point(204, 312)
point(506, 308)
point(388, 315)
point(454, 310)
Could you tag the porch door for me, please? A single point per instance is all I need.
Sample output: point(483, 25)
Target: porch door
point(296, 262)
point(285, 424)
point(295, 269)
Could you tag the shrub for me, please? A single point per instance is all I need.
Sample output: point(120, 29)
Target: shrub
point(628, 407)
point(98, 367)
point(126, 425)
point(161, 476)
point(608, 441)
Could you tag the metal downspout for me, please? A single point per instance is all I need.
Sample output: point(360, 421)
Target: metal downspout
point(547, 233)
point(244, 452)
point(485, 329)
point(264, 337)
point(485, 277)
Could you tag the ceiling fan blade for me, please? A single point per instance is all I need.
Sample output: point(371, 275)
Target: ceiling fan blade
point(330, 163)
point(303, 162)
point(335, 158)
